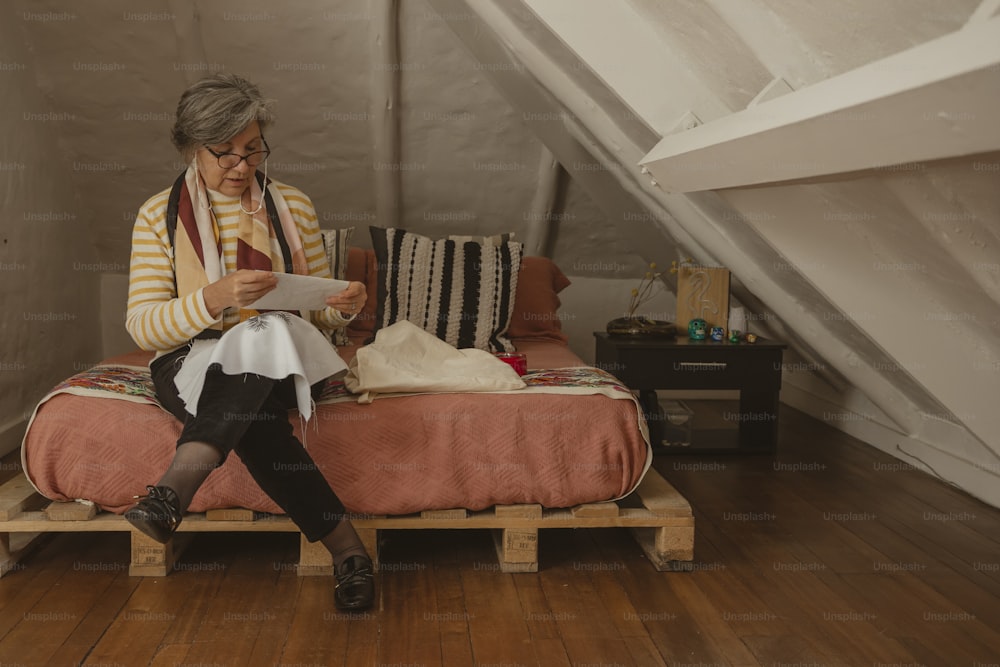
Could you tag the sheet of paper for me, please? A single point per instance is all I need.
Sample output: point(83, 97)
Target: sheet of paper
point(295, 292)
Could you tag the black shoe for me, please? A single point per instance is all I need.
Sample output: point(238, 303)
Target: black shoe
point(157, 514)
point(355, 584)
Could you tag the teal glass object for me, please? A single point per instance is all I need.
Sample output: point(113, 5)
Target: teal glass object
point(697, 329)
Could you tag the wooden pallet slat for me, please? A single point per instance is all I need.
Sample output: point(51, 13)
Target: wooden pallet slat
point(14, 547)
point(595, 509)
point(660, 497)
point(446, 515)
point(518, 511)
point(14, 496)
point(230, 514)
point(667, 548)
point(663, 526)
point(71, 511)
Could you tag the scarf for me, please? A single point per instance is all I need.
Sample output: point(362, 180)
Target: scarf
point(198, 258)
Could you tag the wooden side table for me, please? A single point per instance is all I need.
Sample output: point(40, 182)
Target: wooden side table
point(648, 364)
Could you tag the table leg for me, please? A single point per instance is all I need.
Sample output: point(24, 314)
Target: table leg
point(650, 404)
point(758, 419)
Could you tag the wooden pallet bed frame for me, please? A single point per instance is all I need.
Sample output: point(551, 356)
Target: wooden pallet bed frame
point(658, 516)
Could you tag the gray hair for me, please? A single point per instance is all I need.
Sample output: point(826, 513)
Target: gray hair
point(216, 109)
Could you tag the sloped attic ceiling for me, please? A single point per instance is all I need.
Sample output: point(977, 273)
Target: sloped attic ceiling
point(884, 281)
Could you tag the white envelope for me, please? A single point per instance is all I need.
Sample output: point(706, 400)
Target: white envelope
point(295, 292)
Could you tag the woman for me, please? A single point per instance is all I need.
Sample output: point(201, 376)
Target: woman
point(203, 251)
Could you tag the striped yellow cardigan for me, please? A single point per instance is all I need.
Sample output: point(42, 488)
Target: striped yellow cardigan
point(159, 321)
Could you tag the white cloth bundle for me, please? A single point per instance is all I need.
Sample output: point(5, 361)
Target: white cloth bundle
point(276, 345)
point(406, 359)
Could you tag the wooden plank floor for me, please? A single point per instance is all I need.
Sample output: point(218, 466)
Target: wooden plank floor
point(830, 553)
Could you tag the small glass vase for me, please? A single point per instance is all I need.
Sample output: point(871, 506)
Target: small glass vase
point(637, 325)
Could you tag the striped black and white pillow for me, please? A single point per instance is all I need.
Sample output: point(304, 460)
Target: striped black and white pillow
point(462, 292)
point(335, 242)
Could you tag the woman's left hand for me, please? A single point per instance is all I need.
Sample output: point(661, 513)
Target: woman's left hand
point(351, 300)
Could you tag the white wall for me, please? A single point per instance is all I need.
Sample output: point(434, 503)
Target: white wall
point(589, 303)
point(48, 269)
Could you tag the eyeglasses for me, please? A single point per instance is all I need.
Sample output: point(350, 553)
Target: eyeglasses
point(230, 160)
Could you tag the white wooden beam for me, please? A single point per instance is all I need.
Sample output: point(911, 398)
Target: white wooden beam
point(686, 122)
point(935, 101)
point(771, 91)
point(987, 9)
point(778, 46)
point(625, 51)
point(540, 214)
point(527, 94)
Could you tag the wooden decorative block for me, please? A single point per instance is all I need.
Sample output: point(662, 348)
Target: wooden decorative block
point(702, 291)
point(70, 511)
point(149, 557)
point(517, 549)
point(314, 559)
point(668, 549)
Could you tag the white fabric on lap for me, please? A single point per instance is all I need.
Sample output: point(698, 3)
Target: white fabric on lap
point(276, 345)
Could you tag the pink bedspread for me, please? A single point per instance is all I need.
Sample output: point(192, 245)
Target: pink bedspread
point(396, 456)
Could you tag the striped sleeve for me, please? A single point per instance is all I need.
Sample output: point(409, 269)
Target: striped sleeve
point(155, 318)
point(304, 214)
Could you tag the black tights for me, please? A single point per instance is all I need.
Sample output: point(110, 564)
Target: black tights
point(248, 414)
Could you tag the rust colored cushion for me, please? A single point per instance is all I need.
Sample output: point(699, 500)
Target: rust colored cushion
point(536, 301)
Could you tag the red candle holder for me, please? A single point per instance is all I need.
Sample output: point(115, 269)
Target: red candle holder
point(516, 360)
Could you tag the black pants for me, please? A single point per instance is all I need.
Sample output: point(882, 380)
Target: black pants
point(248, 414)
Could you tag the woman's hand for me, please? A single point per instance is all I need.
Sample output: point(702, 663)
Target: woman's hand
point(238, 289)
point(350, 301)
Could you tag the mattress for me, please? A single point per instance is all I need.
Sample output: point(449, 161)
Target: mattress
point(397, 455)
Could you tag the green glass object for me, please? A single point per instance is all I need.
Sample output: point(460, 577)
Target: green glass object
point(697, 329)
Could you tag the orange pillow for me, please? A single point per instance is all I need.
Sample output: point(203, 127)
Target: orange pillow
point(536, 301)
